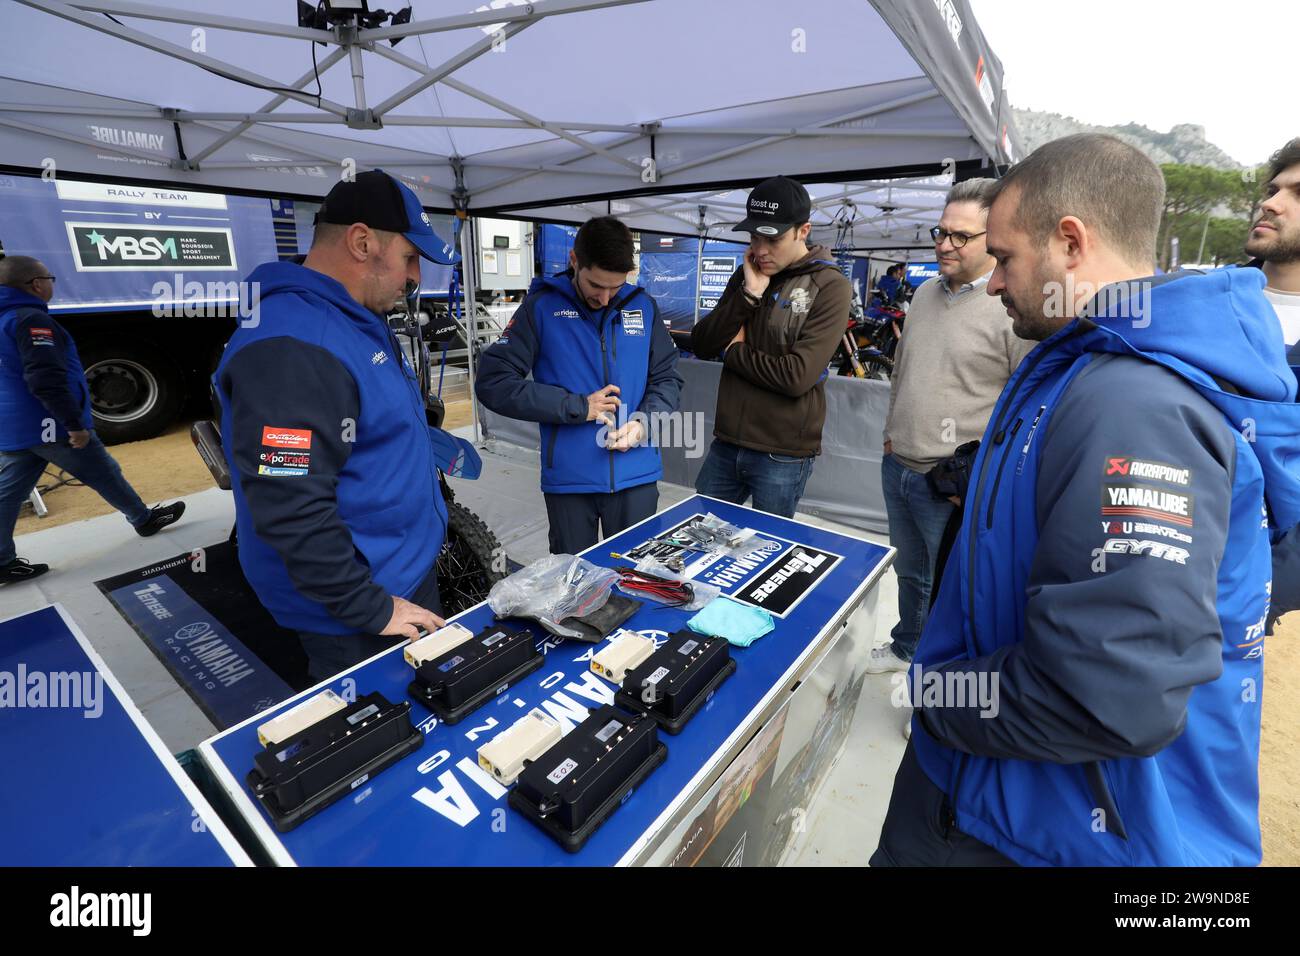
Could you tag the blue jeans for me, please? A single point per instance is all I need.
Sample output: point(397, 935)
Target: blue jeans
point(775, 482)
point(916, 522)
point(93, 466)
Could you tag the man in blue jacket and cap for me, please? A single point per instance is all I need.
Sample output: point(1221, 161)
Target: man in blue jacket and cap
point(1087, 687)
point(335, 469)
point(595, 348)
point(45, 416)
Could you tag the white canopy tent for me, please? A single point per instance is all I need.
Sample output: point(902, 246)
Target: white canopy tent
point(475, 109)
point(543, 110)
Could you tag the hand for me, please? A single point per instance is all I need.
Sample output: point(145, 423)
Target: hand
point(755, 280)
point(889, 447)
point(407, 617)
point(79, 438)
point(955, 500)
point(739, 337)
point(601, 405)
point(629, 436)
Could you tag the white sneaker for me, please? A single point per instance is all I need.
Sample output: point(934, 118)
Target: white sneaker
point(883, 660)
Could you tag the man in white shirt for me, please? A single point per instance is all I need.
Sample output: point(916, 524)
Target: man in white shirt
point(1275, 238)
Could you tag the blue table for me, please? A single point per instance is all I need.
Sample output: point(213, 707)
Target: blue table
point(89, 781)
point(437, 807)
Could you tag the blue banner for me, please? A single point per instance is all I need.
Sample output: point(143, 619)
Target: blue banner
point(229, 680)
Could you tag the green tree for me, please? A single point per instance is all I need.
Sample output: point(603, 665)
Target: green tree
point(1203, 201)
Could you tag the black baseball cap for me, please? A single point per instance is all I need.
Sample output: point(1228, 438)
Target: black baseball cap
point(776, 205)
point(379, 201)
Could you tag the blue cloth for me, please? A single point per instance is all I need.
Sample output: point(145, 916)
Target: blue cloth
point(775, 482)
point(456, 457)
point(1113, 573)
point(570, 353)
point(93, 466)
point(916, 523)
point(740, 624)
point(41, 378)
point(335, 478)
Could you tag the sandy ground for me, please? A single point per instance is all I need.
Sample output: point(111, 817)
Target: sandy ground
point(161, 469)
point(167, 467)
point(1279, 759)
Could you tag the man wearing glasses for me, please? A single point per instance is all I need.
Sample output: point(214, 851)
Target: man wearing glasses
point(956, 354)
point(45, 415)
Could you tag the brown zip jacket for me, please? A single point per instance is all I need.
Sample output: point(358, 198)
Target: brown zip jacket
point(771, 397)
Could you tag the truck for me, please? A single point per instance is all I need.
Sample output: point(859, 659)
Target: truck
point(149, 283)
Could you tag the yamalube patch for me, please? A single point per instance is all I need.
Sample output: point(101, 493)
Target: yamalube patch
point(633, 322)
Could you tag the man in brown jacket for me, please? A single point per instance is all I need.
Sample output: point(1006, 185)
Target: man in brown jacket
point(776, 327)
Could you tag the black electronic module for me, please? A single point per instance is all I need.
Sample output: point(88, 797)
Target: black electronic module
point(677, 679)
point(306, 772)
point(573, 787)
point(474, 672)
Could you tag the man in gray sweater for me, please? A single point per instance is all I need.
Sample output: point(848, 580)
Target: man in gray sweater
point(956, 354)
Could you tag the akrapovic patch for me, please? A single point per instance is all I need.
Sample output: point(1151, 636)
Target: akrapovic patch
point(1151, 470)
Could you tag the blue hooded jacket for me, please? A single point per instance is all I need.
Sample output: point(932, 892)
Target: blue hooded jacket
point(41, 378)
point(572, 352)
point(337, 499)
point(1112, 574)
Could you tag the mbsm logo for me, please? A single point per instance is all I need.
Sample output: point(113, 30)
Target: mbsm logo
point(74, 908)
point(129, 248)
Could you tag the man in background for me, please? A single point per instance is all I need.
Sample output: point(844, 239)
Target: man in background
point(45, 415)
point(955, 356)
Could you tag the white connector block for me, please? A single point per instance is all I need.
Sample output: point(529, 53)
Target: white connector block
point(626, 652)
point(436, 644)
point(298, 718)
point(506, 754)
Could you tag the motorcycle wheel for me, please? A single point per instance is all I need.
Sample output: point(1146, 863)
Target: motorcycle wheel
point(467, 565)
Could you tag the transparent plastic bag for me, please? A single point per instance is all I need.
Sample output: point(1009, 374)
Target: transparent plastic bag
point(551, 589)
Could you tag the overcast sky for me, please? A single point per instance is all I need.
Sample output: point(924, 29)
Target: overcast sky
point(1233, 68)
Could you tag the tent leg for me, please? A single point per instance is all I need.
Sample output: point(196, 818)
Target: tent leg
point(468, 268)
point(699, 262)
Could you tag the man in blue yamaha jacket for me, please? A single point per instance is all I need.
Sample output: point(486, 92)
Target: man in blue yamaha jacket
point(337, 502)
point(596, 349)
point(1087, 687)
point(45, 415)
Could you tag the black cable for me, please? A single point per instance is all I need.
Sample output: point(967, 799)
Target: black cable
point(259, 86)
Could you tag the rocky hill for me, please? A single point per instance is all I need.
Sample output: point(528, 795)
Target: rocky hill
point(1185, 143)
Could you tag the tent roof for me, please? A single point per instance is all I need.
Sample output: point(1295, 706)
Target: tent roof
point(507, 110)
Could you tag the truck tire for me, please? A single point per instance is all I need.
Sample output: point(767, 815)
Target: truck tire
point(468, 560)
point(135, 392)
